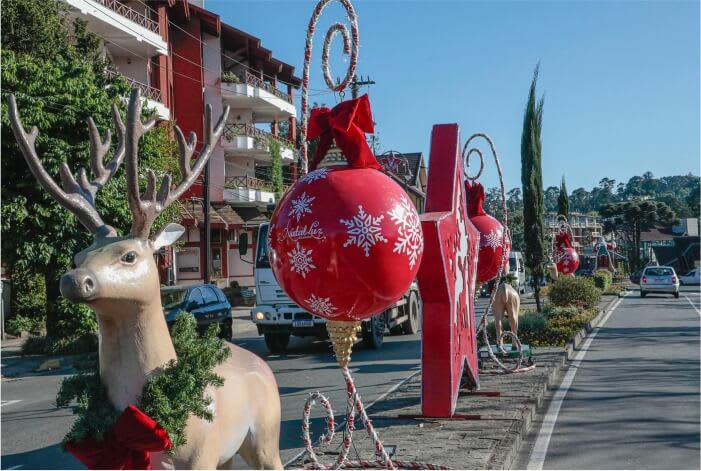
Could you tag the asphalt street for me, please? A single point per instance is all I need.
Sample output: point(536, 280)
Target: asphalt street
point(32, 427)
point(634, 400)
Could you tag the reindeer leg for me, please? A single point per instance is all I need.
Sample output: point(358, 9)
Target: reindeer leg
point(260, 453)
point(498, 313)
point(513, 316)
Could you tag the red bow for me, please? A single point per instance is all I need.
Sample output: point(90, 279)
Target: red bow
point(127, 444)
point(563, 240)
point(475, 199)
point(346, 124)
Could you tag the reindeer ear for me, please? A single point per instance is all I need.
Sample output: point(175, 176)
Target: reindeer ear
point(166, 236)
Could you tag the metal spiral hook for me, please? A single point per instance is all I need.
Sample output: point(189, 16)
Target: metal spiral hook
point(351, 44)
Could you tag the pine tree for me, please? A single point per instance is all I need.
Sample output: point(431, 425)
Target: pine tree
point(563, 201)
point(532, 181)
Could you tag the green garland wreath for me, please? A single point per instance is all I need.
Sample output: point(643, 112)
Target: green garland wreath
point(168, 398)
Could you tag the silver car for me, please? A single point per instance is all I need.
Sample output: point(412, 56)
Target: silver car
point(659, 280)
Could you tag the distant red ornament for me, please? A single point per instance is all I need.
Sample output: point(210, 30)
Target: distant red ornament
point(491, 234)
point(566, 256)
point(345, 242)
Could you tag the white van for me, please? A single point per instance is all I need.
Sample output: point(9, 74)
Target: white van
point(518, 269)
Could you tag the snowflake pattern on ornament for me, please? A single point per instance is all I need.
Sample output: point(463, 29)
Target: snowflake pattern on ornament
point(319, 174)
point(493, 239)
point(301, 260)
point(363, 230)
point(321, 306)
point(410, 241)
point(301, 206)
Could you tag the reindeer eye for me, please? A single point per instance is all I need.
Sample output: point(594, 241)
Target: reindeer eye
point(129, 257)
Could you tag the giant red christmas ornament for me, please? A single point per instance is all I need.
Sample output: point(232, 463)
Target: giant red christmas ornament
point(491, 234)
point(567, 257)
point(345, 242)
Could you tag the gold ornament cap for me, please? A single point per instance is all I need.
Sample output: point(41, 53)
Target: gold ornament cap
point(343, 335)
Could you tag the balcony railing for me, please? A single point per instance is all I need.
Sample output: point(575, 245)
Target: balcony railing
point(260, 137)
point(250, 183)
point(253, 81)
point(131, 14)
point(146, 90)
point(245, 181)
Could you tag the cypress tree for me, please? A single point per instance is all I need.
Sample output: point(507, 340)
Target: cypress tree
point(563, 201)
point(532, 181)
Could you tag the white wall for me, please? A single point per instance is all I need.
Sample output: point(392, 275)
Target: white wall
point(132, 67)
point(211, 64)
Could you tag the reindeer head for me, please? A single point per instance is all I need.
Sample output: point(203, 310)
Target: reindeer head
point(118, 271)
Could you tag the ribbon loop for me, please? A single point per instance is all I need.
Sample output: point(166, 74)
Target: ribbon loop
point(475, 199)
point(128, 444)
point(346, 124)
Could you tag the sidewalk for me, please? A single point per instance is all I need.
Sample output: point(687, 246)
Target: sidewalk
point(498, 423)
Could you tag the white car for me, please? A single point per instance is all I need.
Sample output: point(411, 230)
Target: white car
point(691, 278)
point(659, 280)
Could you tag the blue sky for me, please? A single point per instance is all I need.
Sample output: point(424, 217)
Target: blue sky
point(620, 78)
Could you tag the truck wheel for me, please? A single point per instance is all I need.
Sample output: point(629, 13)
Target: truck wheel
point(226, 330)
point(276, 342)
point(374, 332)
point(411, 325)
point(397, 329)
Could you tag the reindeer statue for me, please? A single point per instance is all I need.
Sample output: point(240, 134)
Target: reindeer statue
point(506, 300)
point(117, 277)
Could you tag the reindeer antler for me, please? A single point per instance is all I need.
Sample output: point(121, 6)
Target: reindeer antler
point(146, 208)
point(76, 196)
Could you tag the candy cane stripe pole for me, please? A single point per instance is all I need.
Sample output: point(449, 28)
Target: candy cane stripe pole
point(351, 44)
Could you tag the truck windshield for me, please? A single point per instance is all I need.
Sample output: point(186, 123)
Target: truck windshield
point(171, 298)
point(262, 260)
point(512, 263)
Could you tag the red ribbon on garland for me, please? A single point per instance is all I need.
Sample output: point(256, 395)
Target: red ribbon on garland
point(128, 444)
point(474, 194)
point(346, 124)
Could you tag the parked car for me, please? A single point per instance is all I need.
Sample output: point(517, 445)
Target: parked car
point(583, 272)
point(691, 278)
point(659, 280)
point(206, 302)
point(635, 278)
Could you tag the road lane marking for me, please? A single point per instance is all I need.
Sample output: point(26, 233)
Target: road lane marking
point(540, 449)
point(693, 305)
point(9, 402)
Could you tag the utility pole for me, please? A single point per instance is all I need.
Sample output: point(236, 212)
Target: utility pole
point(207, 228)
point(356, 84)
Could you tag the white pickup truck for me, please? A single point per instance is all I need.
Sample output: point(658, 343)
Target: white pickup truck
point(278, 317)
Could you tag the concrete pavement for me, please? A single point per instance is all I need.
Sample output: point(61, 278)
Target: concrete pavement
point(634, 401)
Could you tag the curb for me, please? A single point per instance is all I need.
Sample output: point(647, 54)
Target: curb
point(507, 454)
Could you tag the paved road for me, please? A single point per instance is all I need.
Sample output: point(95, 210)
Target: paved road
point(634, 401)
point(32, 427)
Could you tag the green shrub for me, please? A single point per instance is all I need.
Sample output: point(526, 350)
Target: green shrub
point(554, 326)
point(574, 291)
point(86, 343)
point(20, 323)
point(74, 320)
point(602, 279)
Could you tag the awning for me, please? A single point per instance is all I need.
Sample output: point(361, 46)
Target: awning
point(193, 215)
